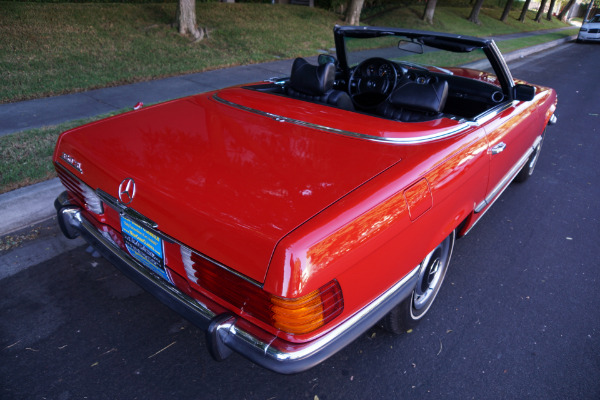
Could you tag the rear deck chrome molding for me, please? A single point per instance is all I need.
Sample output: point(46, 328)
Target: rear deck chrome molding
point(225, 331)
point(405, 140)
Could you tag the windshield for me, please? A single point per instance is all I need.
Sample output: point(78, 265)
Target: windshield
point(595, 19)
point(415, 54)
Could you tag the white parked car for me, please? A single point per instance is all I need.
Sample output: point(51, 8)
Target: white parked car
point(590, 30)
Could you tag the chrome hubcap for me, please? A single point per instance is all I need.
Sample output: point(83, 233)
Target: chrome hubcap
point(428, 280)
point(431, 275)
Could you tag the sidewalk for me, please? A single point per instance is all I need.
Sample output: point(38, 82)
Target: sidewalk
point(26, 206)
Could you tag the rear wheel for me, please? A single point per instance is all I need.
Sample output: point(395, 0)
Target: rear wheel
point(432, 271)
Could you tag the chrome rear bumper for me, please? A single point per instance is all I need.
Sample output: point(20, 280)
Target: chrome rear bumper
point(226, 332)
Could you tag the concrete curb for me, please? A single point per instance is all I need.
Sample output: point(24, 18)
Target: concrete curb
point(33, 204)
point(29, 205)
point(514, 55)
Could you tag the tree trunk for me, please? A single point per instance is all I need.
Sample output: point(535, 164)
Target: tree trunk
point(538, 17)
point(429, 10)
point(551, 10)
point(474, 17)
point(185, 20)
point(524, 11)
point(565, 11)
point(353, 12)
point(507, 8)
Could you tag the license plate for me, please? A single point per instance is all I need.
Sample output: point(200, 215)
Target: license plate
point(144, 246)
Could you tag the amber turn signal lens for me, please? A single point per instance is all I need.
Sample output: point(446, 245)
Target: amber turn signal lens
point(307, 313)
point(294, 316)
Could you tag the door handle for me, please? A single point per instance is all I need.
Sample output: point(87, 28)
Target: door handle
point(499, 148)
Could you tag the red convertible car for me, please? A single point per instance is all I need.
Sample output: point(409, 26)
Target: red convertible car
point(287, 217)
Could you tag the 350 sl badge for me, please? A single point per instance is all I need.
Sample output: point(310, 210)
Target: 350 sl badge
point(72, 162)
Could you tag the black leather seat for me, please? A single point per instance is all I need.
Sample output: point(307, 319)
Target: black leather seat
point(315, 83)
point(415, 102)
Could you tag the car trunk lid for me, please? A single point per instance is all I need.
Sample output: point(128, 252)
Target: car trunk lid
point(226, 181)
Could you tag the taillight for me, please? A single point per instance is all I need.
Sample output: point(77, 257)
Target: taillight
point(82, 192)
point(91, 200)
point(295, 316)
point(307, 313)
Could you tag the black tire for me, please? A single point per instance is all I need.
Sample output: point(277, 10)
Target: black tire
point(431, 275)
point(529, 166)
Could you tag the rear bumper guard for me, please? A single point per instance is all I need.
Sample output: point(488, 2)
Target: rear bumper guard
point(226, 332)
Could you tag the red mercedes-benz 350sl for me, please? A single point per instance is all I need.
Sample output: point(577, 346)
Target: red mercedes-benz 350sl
point(287, 217)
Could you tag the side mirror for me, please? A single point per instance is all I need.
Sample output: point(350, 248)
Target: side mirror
point(523, 92)
point(326, 59)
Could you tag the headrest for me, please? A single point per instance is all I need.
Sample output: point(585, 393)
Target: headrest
point(314, 80)
point(430, 97)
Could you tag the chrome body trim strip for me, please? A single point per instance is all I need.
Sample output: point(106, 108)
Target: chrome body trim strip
point(500, 59)
point(225, 330)
point(492, 112)
point(410, 140)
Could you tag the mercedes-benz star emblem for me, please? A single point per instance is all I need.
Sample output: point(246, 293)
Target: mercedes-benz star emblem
point(127, 191)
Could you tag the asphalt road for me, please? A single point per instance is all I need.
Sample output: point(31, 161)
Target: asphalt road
point(518, 316)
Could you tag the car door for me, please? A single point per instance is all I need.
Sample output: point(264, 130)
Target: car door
point(511, 131)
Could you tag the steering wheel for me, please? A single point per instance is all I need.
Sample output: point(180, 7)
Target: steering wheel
point(372, 81)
